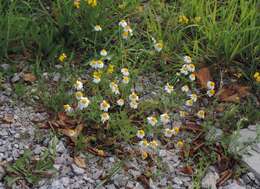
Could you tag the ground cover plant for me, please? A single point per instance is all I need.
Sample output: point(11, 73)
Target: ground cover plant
point(85, 62)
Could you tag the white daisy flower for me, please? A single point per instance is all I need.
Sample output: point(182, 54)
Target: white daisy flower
point(165, 118)
point(125, 71)
point(158, 46)
point(67, 108)
point(78, 85)
point(133, 97)
point(104, 106)
point(168, 88)
point(185, 88)
point(83, 103)
point(78, 95)
point(97, 28)
point(168, 133)
point(133, 104)
point(211, 85)
point(194, 97)
point(140, 134)
point(103, 52)
point(152, 120)
point(125, 80)
point(192, 77)
point(122, 23)
point(104, 117)
point(201, 114)
point(120, 102)
point(187, 59)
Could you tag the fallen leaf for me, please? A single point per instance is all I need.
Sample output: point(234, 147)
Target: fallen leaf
point(186, 170)
point(144, 181)
point(233, 93)
point(203, 76)
point(8, 118)
point(72, 133)
point(29, 77)
point(79, 161)
point(97, 152)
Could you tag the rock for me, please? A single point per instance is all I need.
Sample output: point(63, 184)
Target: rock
point(65, 181)
point(77, 170)
point(97, 174)
point(5, 66)
point(37, 150)
point(177, 181)
point(134, 173)
point(56, 77)
point(163, 182)
point(162, 153)
point(210, 179)
point(252, 160)
point(15, 78)
point(247, 135)
point(120, 180)
point(139, 186)
point(234, 185)
point(110, 186)
point(130, 184)
point(60, 148)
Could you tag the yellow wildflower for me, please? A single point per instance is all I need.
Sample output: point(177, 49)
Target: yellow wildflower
point(183, 19)
point(201, 114)
point(77, 4)
point(144, 155)
point(92, 3)
point(140, 134)
point(110, 69)
point(180, 144)
point(67, 108)
point(62, 57)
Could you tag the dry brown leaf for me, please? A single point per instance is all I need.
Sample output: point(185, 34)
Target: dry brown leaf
point(29, 77)
point(8, 118)
point(72, 133)
point(233, 93)
point(79, 161)
point(186, 170)
point(203, 76)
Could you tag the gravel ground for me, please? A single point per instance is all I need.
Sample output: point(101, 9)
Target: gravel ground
point(18, 124)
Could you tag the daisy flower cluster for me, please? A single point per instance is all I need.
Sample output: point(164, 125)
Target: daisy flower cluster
point(126, 29)
point(189, 69)
point(168, 130)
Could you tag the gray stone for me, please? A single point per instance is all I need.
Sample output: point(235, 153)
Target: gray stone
point(134, 173)
point(252, 160)
point(177, 180)
point(234, 185)
point(77, 170)
point(139, 186)
point(247, 135)
point(60, 148)
point(110, 186)
point(5, 66)
point(15, 78)
point(65, 181)
point(210, 179)
point(162, 153)
point(97, 174)
point(56, 77)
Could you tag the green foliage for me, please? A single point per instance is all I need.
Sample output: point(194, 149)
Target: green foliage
point(30, 169)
